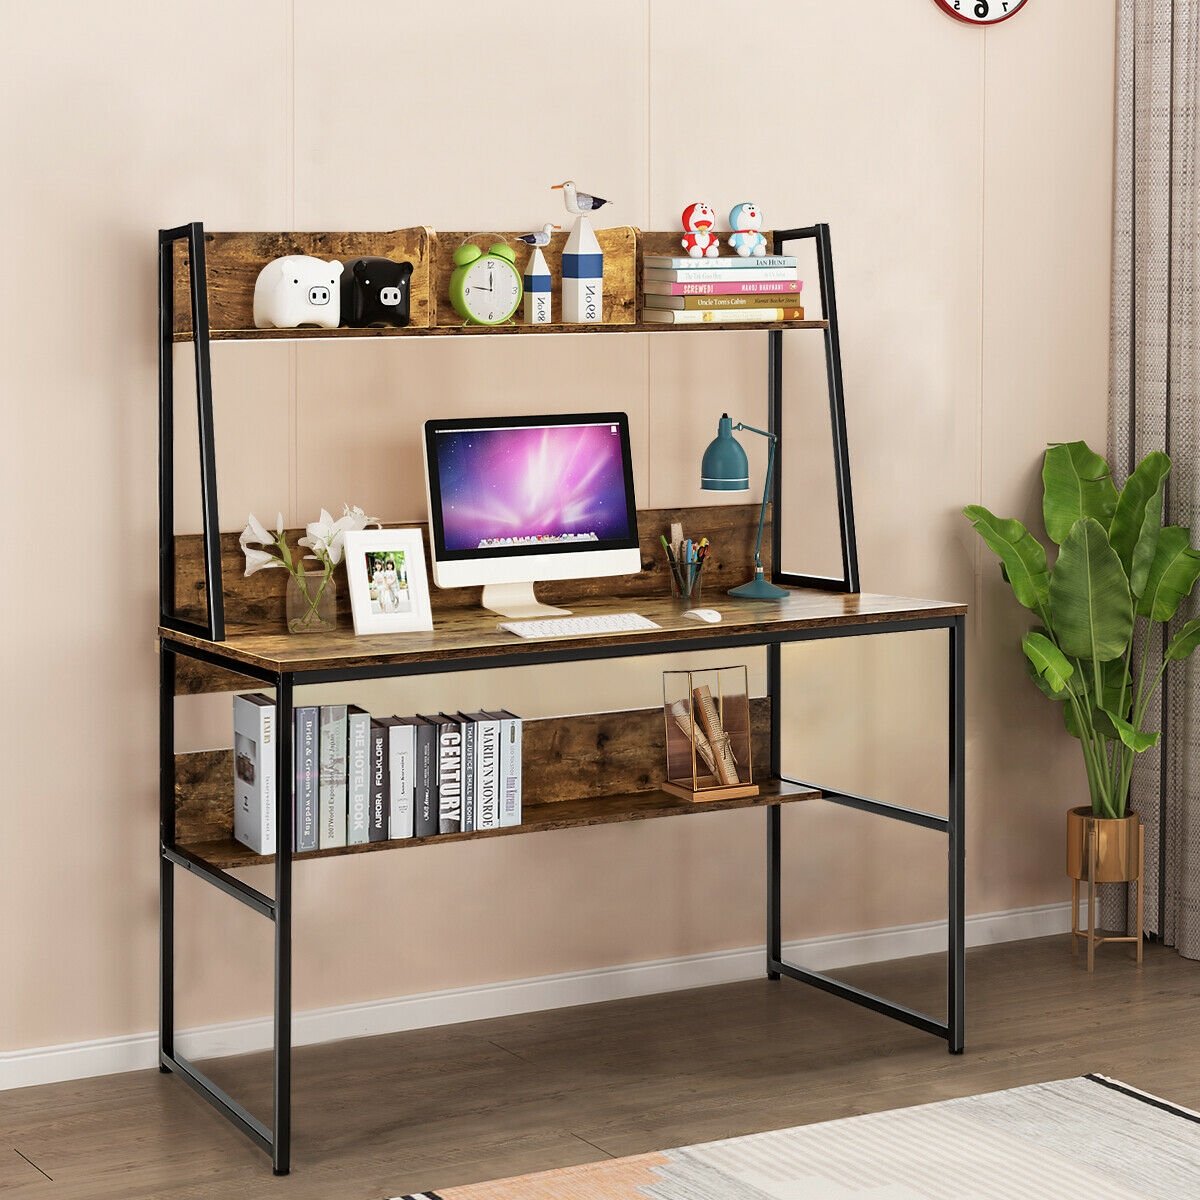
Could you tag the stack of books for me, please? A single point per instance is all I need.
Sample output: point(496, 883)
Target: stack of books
point(696, 291)
point(359, 778)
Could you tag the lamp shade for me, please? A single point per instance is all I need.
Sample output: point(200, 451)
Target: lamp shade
point(725, 467)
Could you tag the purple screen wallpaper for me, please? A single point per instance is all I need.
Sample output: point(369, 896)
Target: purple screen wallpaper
point(524, 486)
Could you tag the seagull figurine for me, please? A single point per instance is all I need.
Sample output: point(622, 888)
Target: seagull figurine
point(578, 202)
point(538, 239)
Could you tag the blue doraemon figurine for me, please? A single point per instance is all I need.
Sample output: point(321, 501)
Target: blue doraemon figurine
point(746, 220)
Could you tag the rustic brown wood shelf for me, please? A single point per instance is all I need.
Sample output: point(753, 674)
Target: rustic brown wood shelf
point(227, 854)
point(217, 630)
point(484, 331)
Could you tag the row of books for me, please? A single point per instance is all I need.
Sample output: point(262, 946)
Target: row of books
point(694, 291)
point(359, 778)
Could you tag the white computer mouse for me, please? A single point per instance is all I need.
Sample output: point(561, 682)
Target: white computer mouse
point(709, 615)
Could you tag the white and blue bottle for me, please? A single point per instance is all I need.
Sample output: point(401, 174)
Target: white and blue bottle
point(583, 276)
point(536, 282)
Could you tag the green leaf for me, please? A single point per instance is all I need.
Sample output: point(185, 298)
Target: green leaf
point(1091, 610)
point(1022, 556)
point(1105, 724)
point(1184, 642)
point(1173, 572)
point(1048, 660)
point(1137, 518)
point(1077, 483)
point(1133, 738)
point(1114, 675)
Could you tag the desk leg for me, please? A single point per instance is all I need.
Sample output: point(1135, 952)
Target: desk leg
point(281, 1129)
point(956, 981)
point(774, 692)
point(166, 871)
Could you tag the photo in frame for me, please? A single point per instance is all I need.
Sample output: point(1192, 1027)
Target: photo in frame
point(389, 587)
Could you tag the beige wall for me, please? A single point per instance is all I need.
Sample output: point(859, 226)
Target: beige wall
point(966, 176)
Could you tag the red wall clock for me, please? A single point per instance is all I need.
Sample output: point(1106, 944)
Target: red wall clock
point(981, 12)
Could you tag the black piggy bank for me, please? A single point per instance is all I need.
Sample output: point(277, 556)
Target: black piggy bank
point(375, 291)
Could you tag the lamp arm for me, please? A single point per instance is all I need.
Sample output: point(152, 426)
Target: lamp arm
point(772, 438)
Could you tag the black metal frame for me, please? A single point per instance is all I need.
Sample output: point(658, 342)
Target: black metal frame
point(819, 234)
point(214, 627)
point(276, 1139)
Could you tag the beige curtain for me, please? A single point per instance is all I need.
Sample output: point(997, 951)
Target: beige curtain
point(1155, 402)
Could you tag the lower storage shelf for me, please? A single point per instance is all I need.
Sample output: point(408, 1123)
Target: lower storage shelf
point(562, 814)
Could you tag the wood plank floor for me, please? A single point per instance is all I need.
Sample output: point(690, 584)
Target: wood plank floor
point(382, 1116)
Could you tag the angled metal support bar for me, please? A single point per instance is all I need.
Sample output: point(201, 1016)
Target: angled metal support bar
point(231, 886)
point(898, 1012)
point(819, 234)
point(224, 1103)
point(193, 233)
point(910, 816)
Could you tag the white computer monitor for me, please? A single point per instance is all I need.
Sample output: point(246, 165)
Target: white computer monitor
point(517, 500)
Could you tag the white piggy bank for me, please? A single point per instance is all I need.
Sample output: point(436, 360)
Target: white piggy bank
point(298, 290)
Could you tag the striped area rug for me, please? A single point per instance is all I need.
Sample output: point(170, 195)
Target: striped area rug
point(1091, 1138)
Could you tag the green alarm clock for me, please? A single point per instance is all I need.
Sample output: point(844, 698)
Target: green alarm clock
point(485, 289)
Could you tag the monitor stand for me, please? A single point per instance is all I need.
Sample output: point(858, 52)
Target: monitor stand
point(517, 600)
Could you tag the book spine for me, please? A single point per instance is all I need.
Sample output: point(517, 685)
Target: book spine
point(449, 777)
point(726, 316)
point(307, 789)
point(401, 753)
point(358, 788)
point(266, 822)
point(762, 300)
point(721, 275)
point(728, 263)
point(487, 774)
point(745, 288)
point(254, 773)
point(380, 785)
point(333, 775)
point(425, 780)
point(470, 737)
point(510, 772)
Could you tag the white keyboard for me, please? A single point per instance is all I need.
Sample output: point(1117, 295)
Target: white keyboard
point(568, 627)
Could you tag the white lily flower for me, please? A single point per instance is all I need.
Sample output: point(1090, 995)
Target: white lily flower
point(354, 518)
point(255, 534)
point(260, 560)
point(317, 533)
point(279, 523)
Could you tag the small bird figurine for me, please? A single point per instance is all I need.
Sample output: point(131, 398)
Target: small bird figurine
point(538, 239)
point(578, 202)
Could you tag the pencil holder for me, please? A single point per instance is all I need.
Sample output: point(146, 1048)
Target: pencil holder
point(707, 715)
point(687, 581)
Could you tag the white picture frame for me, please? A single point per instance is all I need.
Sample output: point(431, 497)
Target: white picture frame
point(389, 586)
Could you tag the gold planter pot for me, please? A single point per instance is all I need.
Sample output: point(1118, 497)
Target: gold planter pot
point(1103, 850)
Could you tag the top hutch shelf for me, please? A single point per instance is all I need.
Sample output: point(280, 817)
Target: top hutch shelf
point(233, 261)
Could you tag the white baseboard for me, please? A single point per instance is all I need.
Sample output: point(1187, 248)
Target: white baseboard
point(138, 1052)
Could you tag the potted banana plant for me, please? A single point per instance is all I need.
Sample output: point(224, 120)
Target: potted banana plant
point(1096, 650)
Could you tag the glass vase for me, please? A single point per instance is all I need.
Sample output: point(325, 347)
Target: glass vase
point(311, 603)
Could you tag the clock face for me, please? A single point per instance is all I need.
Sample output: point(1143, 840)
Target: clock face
point(491, 290)
point(981, 12)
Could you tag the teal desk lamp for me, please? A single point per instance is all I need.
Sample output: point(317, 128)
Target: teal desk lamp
point(725, 468)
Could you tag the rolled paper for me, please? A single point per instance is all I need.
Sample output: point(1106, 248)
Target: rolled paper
point(706, 712)
point(683, 718)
